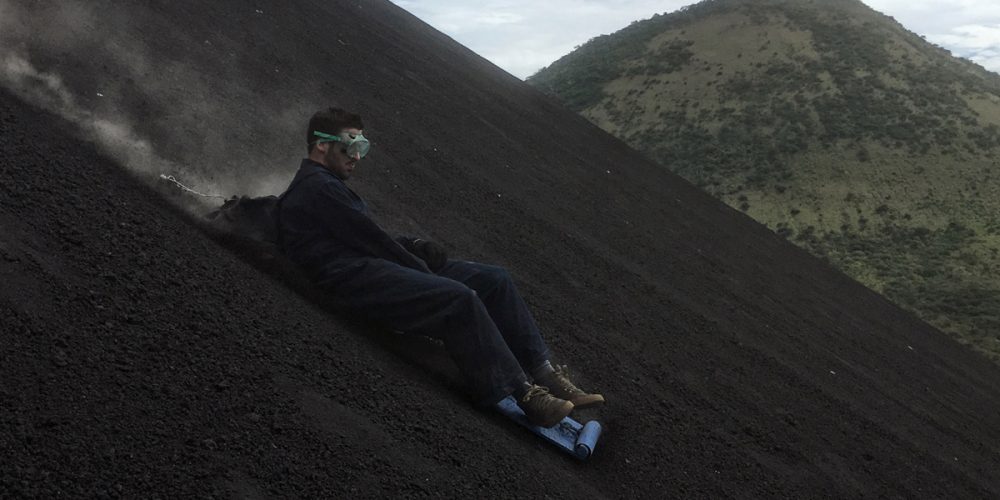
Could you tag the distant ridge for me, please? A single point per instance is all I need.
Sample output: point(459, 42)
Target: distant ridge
point(830, 123)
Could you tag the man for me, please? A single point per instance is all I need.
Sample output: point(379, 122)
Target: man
point(410, 285)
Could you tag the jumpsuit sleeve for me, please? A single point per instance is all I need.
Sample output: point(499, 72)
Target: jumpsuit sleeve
point(405, 241)
point(361, 233)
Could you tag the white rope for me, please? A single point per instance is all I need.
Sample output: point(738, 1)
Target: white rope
point(182, 186)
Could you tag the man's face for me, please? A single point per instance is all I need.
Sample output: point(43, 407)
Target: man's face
point(335, 158)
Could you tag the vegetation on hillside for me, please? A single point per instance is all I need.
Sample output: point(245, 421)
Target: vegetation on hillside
point(828, 122)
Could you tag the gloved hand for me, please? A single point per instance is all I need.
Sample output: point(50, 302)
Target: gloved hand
point(432, 253)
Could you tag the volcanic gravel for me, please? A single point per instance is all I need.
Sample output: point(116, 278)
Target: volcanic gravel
point(142, 354)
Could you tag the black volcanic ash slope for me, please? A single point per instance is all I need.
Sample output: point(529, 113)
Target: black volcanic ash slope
point(140, 357)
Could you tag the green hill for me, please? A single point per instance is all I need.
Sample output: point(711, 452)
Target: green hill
point(831, 124)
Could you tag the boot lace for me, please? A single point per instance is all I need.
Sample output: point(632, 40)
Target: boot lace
point(560, 378)
point(535, 391)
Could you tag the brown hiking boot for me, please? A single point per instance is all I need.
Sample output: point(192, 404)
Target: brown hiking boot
point(559, 385)
point(543, 409)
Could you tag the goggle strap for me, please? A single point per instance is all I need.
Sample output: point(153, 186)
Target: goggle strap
point(317, 133)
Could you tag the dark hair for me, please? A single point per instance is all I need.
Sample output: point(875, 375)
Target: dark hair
point(330, 121)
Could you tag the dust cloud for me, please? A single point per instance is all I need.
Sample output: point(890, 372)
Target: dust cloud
point(198, 149)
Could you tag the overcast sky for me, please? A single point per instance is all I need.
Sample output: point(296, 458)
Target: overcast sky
point(522, 36)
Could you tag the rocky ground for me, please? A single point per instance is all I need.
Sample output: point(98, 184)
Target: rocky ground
point(144, 355)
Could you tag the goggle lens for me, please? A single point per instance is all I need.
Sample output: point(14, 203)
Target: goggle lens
point(359, 146)
point(356, 145)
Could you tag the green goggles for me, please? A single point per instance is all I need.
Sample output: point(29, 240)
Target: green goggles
point(354, 145)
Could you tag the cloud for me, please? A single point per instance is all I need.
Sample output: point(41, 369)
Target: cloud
point(497, 18)
point(979, 43)
point(971, 37)
point(926, 16)
point(988, 59)
point(968, 28)
point(522, 36)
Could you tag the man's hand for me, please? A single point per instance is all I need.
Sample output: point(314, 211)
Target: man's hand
point(430, 252)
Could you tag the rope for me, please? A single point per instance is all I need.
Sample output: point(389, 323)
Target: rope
point(182, 186)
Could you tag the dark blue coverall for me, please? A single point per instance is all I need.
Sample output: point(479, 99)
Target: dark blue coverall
point(473, 308)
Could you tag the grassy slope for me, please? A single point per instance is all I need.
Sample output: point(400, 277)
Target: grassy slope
point(831, 124)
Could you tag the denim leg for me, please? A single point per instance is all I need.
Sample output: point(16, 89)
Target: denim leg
point(506, 306)
point(439, 307)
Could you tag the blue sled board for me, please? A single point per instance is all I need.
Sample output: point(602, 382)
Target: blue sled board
point(571, 436)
